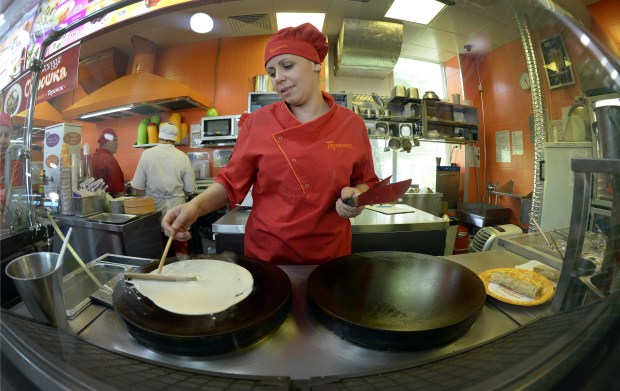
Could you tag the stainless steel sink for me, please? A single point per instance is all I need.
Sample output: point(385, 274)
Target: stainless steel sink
point(78, 287)
point(482, 214)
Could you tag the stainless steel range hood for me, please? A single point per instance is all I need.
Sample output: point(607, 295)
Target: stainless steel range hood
point(368, 48)
point(140, 93)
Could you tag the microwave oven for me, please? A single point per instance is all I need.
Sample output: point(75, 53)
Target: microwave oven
point(219, 130)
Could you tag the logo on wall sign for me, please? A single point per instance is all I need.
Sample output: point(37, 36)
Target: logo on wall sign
point(332, 146)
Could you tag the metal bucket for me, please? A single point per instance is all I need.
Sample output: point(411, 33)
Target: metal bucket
point(262, 83)
point(38, 279)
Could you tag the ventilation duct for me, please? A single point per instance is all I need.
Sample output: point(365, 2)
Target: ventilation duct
point(368, 48)
point(253, 24)
point(140, 93)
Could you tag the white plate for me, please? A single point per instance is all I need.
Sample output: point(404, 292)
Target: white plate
point(13, 99)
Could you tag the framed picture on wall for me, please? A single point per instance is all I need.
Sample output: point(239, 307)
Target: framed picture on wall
point(556, 62)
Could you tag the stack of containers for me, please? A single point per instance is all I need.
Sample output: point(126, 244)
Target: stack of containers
point(66, 206)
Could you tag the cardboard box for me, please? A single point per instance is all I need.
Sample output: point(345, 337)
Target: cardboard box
point(55, 136)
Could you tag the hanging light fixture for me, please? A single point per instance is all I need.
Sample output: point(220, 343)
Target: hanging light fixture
point(201, 23)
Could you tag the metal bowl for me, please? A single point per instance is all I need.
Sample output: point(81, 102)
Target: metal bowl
point(430, 95)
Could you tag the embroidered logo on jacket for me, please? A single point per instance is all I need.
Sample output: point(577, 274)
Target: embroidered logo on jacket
point(332, 146)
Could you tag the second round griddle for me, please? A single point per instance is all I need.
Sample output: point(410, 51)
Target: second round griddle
point(197, 335)
point(395, 300)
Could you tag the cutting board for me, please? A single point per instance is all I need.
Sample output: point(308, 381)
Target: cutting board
point(390, 209)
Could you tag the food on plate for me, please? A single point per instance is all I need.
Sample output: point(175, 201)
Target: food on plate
point(219, 286)
point(13, 100)
point(46, 17)
point(523, 287)
point(549, 272)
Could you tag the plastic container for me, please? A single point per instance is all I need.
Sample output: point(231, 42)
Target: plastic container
point(153, 134)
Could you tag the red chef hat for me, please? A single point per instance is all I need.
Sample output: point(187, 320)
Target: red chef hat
point(5, 119)
point(304, 40)
point(108, 134)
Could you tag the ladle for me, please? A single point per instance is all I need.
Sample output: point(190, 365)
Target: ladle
point(378, 101)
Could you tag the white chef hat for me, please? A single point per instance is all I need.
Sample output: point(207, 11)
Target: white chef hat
point(168, 131)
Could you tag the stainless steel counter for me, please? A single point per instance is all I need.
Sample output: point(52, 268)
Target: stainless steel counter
point(416, 231)
point(368, 221)
point(301, 348)
point(140, 237)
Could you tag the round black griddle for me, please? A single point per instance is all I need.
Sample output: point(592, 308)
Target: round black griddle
point(395, 300)
point(199, 335)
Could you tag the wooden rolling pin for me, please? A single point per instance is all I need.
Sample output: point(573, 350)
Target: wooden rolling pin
point(160, 277)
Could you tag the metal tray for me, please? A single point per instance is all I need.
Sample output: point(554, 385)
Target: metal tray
point(112, 218)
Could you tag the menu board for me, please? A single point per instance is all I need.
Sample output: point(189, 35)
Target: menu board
point(24, 40)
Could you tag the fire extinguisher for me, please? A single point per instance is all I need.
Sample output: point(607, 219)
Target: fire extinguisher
point(461, 243)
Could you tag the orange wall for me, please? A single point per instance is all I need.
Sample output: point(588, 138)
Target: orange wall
point(503, 105)
point(606, 23)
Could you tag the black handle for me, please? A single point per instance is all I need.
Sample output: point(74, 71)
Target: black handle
point(540, 170)
point(349, 201)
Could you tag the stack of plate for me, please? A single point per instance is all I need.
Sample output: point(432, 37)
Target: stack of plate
point(139, 205)
point(117, 205)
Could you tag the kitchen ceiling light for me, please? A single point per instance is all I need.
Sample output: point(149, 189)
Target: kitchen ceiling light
point(292, 19)
point(201, 23)
point(423, 12)
point(106, 111)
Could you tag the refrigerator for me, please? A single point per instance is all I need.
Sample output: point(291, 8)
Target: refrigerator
point(558, 182)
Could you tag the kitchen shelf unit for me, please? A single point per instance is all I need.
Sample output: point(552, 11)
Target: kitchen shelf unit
point(401, 109)
point(456, 124)
point(144, 146)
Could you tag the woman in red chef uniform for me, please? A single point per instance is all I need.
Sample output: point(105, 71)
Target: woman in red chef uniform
point(15, 176)
point(303, 156)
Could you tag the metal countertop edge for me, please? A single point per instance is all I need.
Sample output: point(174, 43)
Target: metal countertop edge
point(555, 364)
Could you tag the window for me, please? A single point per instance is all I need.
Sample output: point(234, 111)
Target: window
point(423, 75)
point(419, 164)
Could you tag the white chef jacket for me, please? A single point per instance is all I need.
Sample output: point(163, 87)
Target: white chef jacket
point(165, 173)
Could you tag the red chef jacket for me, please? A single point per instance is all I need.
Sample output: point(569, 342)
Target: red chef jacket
point(106, 167)
point(297, 171)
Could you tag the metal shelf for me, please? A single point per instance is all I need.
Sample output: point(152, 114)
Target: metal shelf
point(451, 123)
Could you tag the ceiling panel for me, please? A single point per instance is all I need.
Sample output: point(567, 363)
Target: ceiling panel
point(485, 24)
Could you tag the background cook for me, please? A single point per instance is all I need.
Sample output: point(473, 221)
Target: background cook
point(105, 165)
point(302, 155)
point(166, 174)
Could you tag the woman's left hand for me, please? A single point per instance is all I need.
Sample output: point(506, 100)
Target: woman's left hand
point(345, 210)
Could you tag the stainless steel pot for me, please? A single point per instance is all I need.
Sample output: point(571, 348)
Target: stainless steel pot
point(399, 91)
point(430, 95)
point(413, 93)
point(262, 83)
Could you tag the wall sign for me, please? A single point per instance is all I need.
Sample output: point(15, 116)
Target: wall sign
point(59, 75)
point(556, 62)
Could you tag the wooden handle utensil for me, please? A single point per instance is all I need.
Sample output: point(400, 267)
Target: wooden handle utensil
point(160, 277)
point(163, 256)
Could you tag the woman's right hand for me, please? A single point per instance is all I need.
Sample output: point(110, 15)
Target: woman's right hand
point(178, 220)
